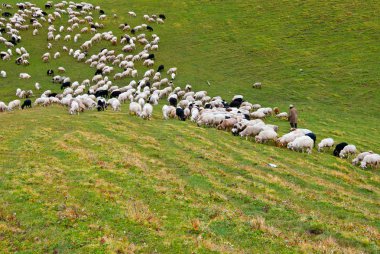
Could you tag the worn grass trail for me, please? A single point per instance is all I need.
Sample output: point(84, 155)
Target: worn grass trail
point(110, 182)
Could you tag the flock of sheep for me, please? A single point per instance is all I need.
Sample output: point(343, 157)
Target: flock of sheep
point(238, 116)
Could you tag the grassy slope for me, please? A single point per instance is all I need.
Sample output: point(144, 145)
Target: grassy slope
point(73, 181)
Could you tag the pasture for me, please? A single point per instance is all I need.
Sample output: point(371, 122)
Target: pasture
point(108, 182)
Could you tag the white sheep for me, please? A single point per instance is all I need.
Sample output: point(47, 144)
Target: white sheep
point(282, 115)
point(74, 108)
point(14, 104)
point(37, 86)
point(327, 142)
point(251, 131)
point(168, 112)
point(3, 107)
point(115, 104)
point(257, 85)
point(347, 151)
point(24, 76)
point(266, 135)
point(3, 74)
point(147, 111)
point(134, 108)
point(372, 160)
point(302, 143)
point(360, 157)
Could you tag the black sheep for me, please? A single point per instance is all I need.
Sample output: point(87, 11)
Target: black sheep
point(50, 72)
point(173, 101)
point(66, 84)
point(44, 13)
point(52, 95)
point(115, 94)
point(312, 136)
point(6, 14)
point(101, 93)
point(149, 28)
point(162, 16)
point(151, 56)
point(339, 147)
point(102, 105)
point(27, 104)
point(19, 61)
point(160, 68)
point(180, 113)
point(101, 12)
point(97, 72)
point(133, 31)
point(236, 103)
point(48, 6)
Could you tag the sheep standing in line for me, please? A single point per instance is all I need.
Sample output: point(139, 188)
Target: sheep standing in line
point(14, 104)
point(147, 111)
point(168, 112)
point(372, 160)
point(303, 143)
point(266, 135)
point(347, 151)
point(134, 108)
point(74, 108)
point(327, 142)
point(360, 157)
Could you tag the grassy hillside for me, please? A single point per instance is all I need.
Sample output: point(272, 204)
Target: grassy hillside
point(110, 182)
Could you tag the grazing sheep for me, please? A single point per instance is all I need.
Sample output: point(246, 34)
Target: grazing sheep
point(115, 104)
point(372, 160)
point(360, 157)
point(74, 108)
point(37, 86)
point(347, 151)
point(168, 112)
point(27, 104)
point(327, 142)
point(227, 124)
point(3, 74)
point(282, 115)
point(257, 85)
point(266, 135)
point(301, 144)
point(147, 111)
point(339, 147)
point(3, 106)
point(14, 104)
point(180, 113)
point(134, 108)
point(251, 131)
point(61, 70)
point(312, 136)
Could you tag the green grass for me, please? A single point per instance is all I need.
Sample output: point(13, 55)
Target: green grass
point(110, 182)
